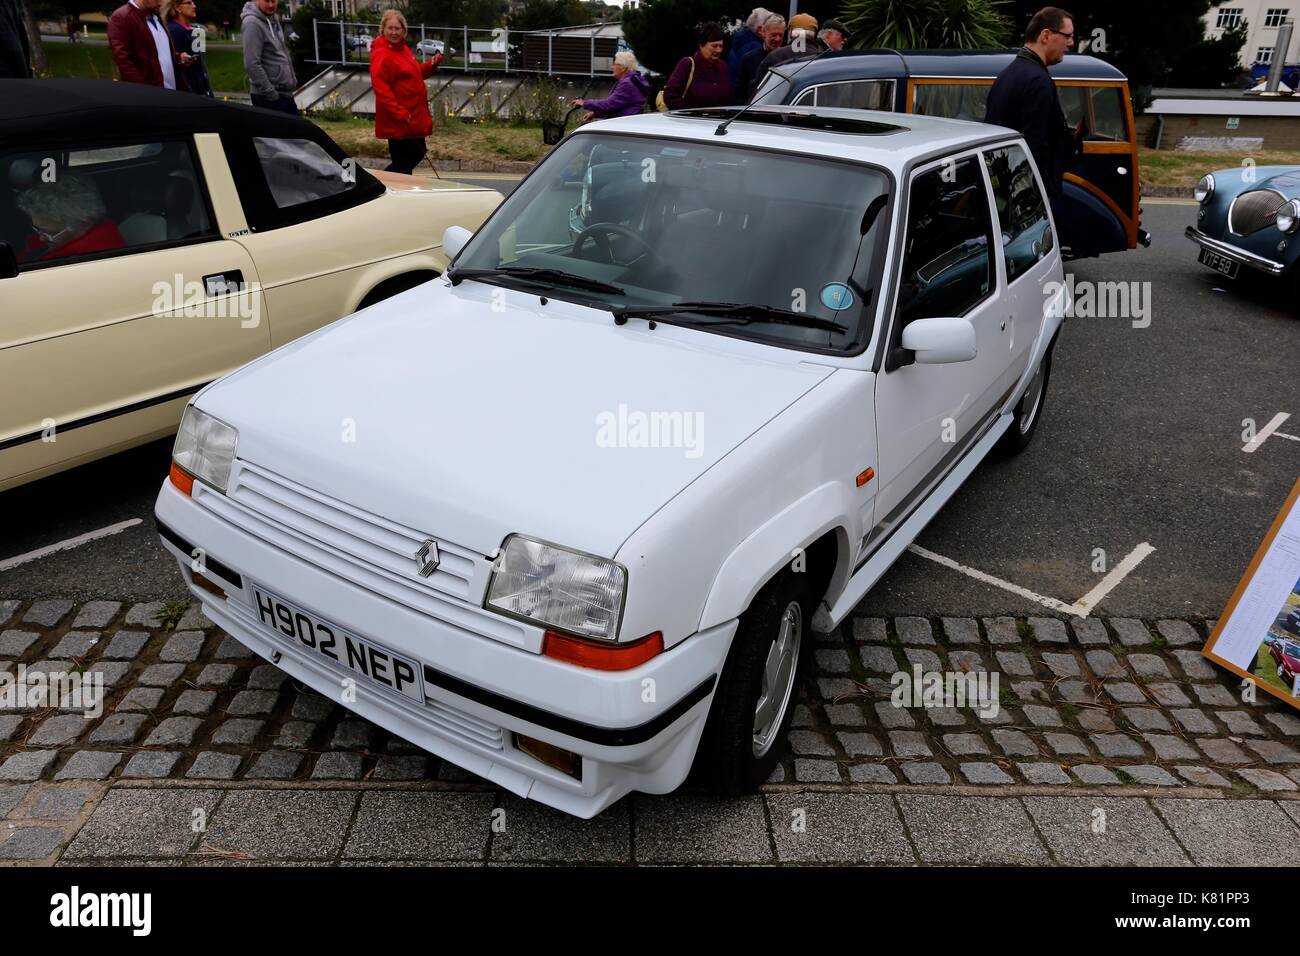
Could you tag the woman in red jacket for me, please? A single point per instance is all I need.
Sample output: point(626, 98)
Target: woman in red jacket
point(401, 99)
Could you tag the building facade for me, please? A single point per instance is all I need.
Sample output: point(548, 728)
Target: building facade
point(1262, 18)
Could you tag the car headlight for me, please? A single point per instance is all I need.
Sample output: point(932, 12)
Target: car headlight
point(566, 590)
point(1205, 188)
point(1288, 217)
point(205, 448)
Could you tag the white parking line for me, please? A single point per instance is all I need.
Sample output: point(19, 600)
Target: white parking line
point(1107, 584)
point(1080, 608)
point(76, 542)
point(1263, 434)
point(1048, 602)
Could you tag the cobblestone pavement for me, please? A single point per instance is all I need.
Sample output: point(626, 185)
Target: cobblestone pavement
point(1093, 713)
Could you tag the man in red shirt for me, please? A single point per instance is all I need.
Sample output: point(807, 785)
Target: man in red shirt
point(142, 47)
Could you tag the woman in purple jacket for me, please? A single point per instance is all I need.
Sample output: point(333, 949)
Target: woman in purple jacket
point(627, 98)
point(700, 79)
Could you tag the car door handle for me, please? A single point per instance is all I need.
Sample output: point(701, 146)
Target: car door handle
point(222, 283)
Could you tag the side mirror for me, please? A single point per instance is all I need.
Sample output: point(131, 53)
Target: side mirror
point(8, 261)
point(454, 239)
point(940, 341)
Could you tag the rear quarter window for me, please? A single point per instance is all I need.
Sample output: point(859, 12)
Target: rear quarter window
point(299, 171)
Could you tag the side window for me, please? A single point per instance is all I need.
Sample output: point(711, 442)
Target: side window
point(967, 101)
point(1100, 107)
point(1022, 214)
point(947, 261)
point(855, 95)
point(59, 205)
point(298, 170)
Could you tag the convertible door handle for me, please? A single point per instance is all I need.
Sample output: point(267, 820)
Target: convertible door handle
point(223, 283)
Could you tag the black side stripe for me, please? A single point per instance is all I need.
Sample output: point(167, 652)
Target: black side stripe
point(223, 571)
point(104, 416)
point(605, 736)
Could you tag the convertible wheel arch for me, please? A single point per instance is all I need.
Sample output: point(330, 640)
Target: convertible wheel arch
point(394, 284)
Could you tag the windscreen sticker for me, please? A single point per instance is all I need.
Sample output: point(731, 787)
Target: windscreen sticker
point(836, 296)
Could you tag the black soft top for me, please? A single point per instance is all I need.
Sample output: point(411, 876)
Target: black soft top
point(65, 112)
point(99, 109)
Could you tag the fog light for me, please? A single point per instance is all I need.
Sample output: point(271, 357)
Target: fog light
point(208, 585)
point(565, 761)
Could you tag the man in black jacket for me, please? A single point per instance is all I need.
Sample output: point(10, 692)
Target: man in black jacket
point(1024, 96)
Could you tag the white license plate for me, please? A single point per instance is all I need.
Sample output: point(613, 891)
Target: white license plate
point(376, 663)
point(1218, 263)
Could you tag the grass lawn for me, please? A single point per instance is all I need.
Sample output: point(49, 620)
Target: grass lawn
point(486, 142)
point(1167, 167)
point(225, 66)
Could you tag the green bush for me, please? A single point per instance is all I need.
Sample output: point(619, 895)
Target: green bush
point(927, 24)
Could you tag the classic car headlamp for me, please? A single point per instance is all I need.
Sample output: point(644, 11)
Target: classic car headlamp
point(1288, 217)
point(1205, 188)
point(576, 593)
point(205, 448)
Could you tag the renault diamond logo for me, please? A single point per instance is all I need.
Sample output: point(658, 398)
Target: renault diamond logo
point(427, 559)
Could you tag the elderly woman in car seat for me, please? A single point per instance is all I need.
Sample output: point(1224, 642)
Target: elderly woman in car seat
point(69, 219)
point(627, 98)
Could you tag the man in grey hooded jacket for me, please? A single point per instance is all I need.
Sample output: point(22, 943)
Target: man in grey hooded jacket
point(266, 57)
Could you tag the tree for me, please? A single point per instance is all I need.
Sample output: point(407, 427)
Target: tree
point(550, 14)
point(927, 24)
point(661, 32)
point(475, 14)
point(1212, 62)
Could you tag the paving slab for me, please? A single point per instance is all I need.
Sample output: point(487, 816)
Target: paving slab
point(524, 830)
point(1232, 832)
point(838, 828)
point(143, 823)
point(694, 829)
point(986, 830)
point(1104, 831)
point(410, 825)
point(282, 824)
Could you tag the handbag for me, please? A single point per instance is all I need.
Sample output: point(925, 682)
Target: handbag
point(661, 104)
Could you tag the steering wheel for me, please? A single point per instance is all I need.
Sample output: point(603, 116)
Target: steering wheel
point(599, 233)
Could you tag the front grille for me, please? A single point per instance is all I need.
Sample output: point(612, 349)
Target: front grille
point(361, 548)
point(1252, 211)
point(360, 535)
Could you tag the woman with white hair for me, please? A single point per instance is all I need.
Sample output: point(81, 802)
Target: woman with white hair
point(628, 96)
point(69, 219)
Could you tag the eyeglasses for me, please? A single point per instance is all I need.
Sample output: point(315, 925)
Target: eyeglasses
point(1068, 36)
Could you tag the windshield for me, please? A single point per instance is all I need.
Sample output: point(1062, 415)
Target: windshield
point(647, 222)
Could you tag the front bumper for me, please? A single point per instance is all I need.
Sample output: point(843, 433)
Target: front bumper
point(635, 730)
point(1235, 253)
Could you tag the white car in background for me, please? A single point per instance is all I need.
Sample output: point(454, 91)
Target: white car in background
point(566, 515)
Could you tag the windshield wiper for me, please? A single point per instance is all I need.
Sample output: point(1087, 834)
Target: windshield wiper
point(536, 275)
point(739, 313)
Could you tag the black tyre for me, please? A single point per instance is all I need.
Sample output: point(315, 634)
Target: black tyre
point(1029, 410)
point(746, 731)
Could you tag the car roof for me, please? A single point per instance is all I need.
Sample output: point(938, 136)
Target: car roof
point(60, 110)
point(891, 140)
point(868, 64)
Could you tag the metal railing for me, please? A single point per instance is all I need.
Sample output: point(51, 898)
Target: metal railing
point(546, 52)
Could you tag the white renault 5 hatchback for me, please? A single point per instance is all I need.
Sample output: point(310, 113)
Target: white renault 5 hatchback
point(566, 515)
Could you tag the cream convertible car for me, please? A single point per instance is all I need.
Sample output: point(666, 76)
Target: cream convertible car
point(152, 241)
